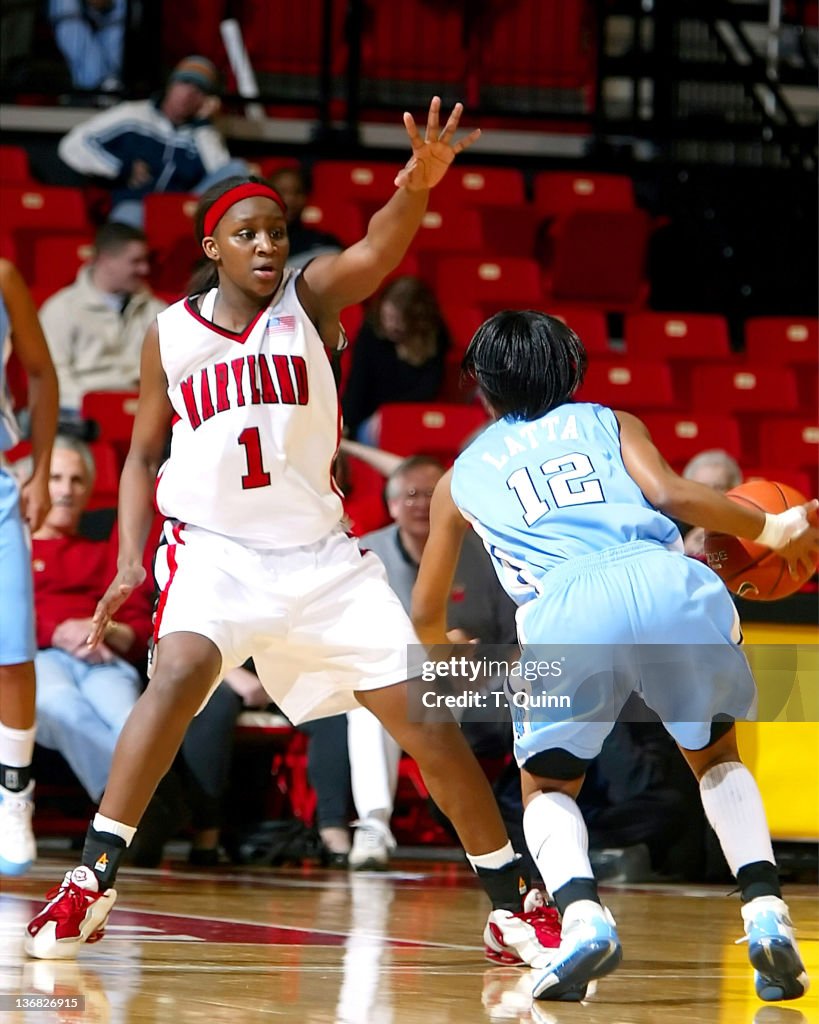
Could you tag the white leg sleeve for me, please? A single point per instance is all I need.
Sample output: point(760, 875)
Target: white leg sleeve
point(557, 839)
point(733, 806)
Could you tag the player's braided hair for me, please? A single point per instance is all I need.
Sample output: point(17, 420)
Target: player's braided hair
point(525, 363)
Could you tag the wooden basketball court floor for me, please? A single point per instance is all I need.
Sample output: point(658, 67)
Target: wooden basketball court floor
point(313, 946)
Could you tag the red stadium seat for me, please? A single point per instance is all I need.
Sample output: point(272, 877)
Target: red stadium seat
point(513, 230)
point(268, 165)
point(113, 412)
point(410, 428)
point(462, 321)
point(560, 192)
point(14, 167)
point(744, 388)
point(446, 232)
point(588, 324)
point(43, 208)
point(57, 258)
point(8, 250)
point(492, 284)
point(106, 478)
point(782, 339)
point(35, 211)
point(412, 41)
point(684, 336)
point(537, 44)
point(628, 385)
point(169, 217)
point(169, 229)
point(491, 187)
point(681, 436)
point(344, 220)
point(449, 230)
point(353, 181)
point(599, 259)
point(791, 442)
point(807, 384)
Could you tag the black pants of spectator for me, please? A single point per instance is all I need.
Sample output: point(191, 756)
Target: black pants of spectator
point(328, 770)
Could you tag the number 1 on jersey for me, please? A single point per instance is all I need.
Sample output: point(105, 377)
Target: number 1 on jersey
point(256, 475)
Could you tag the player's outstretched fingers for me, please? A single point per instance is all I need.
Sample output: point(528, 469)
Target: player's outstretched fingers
point(433, 120)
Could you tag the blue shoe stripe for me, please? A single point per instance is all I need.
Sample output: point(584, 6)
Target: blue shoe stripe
point(13, 867)
point(779, 971)
point(592, 959)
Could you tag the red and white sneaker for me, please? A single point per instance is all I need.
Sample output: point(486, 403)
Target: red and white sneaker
point(76, 913)
point(527, 937)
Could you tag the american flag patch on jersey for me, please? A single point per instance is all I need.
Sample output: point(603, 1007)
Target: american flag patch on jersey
point(280, 324)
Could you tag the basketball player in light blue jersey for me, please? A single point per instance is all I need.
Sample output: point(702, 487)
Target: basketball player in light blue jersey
point(22, 510)
point(575, 505)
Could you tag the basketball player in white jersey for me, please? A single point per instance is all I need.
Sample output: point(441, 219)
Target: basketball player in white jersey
point(572, 501)
point(257, 564)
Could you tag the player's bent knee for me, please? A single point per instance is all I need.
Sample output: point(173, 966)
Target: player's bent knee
point(557, 764)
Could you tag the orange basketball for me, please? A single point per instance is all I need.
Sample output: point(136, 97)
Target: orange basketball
point(748, 569)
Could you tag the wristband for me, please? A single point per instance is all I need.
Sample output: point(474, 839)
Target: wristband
point(779, 527)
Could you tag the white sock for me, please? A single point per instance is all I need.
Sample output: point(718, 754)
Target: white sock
point(16, 746)
point(115, 828)
point(733, 806)
point(557, 839)
point(374, 757)
point(495, 860)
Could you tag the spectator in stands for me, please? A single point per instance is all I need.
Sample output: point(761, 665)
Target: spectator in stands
point(90, 35)
point(83, 695)
point(166, 144)
point(714, 468)
point(95, 326)
point(398, 355)
point(23, 507)
point(478, 608)
point(293, 185)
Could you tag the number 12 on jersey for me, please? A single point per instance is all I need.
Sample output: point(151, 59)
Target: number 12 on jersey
point(561, 473)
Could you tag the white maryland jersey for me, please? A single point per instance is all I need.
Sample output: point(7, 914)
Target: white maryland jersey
point(256, 424)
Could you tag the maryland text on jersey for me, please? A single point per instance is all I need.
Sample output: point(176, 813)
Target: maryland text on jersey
point(247, 380)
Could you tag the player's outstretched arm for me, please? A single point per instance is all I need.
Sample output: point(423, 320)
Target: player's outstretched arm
point(152, 424)
point(793, 534)
point(30, 347)
point(430, 595)
point(332, 282)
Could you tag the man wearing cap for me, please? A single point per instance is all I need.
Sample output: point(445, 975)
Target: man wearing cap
point(165, 144)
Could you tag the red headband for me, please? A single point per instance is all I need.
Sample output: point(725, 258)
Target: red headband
point(236, 195)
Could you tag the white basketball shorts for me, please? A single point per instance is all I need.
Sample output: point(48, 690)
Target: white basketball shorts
point(320, 621)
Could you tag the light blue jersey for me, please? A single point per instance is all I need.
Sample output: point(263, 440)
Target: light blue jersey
point(605, 591)
point(542, 492)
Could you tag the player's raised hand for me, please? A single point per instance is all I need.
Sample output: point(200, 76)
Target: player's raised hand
point(124, 584)
point(432, 155)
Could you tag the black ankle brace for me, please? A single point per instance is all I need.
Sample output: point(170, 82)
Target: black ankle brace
point(758, 879)
point(505, 886)
point(575, 889)
point(102, 853)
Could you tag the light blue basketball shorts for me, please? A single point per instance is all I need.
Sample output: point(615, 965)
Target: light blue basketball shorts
point(636, 618)
point(17, 643)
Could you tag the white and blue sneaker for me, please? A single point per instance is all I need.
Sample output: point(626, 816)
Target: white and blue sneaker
point(778, 969)
point(589, 948)
point(18, 850)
